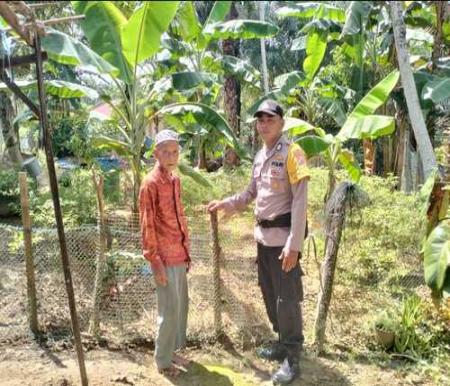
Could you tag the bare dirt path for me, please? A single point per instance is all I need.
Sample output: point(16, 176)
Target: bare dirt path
point(211, 366)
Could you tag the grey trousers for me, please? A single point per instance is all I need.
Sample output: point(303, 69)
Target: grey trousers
point(172, 315)
point(283, 293)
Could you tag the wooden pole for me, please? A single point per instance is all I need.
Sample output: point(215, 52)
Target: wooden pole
point(29, 265)
point(101, 259)
point(11, 18)
point(57, 208)
point(21, 60)
point(216, 275)
point(19, 93)
point(58, 20)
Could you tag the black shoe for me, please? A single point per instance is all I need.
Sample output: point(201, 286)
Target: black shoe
point(286, 373)
point(275, 352)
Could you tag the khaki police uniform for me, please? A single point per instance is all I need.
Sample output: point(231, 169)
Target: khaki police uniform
point(279, 186)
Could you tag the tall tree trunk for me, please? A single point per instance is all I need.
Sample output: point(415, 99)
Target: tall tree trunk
point(265, 74)
point(10, 136)
point(441, 15)
point(232, 90)
point(409, 88)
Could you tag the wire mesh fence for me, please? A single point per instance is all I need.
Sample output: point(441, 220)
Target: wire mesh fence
point(127, 297)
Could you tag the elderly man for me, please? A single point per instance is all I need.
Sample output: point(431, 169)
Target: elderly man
point(279, 185)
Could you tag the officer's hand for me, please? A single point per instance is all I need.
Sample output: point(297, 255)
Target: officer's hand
point(214, 205)
point(160, 273)
point(290, 260)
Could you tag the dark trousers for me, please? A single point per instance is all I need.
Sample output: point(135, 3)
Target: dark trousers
point(282, 292)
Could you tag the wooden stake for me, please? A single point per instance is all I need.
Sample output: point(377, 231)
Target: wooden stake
point(58, 213)
point(101, 259)
point(216, 275)
point(29, 265)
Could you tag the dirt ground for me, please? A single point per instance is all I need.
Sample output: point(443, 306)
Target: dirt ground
point(32, 365)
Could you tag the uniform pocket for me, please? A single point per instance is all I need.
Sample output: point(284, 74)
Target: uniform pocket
point(277, 183)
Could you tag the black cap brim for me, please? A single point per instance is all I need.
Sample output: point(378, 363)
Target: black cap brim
point(270, 112)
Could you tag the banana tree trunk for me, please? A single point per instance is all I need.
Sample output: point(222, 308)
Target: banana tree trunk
point(388, 150)
point(136, 183)
point(201, 163)
point(369, 156)
point(424, 145)
point(10, 136)
point(232, 87)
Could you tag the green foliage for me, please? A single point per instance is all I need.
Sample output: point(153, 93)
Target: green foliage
point(437, 259)
point(78, 201)
point(223, 183)
point(9, 182)
point(70, 137)
point(65, 49)
point(411, 336)
point(386, 321)
point(141, 35)
point(380, 239)
point(102, 26)
point(418, 330)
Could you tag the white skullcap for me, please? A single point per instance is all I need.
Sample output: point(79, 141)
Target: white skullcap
point(165, 135)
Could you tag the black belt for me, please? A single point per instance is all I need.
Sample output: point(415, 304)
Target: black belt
point(281, 221)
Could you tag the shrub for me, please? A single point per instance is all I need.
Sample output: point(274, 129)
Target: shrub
point(70, 137)
point(78, 201)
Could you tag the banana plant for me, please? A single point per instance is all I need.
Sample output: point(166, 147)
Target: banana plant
point(323, 25)
point(436, 252)
point(198, 38)
point(360, 124)
point(133, 47)
point(126, 44)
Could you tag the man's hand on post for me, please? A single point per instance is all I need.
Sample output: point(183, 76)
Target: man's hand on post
point(214, 205)
point(290, 260)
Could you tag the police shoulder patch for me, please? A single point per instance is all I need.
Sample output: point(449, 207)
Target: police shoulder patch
point(296, 164)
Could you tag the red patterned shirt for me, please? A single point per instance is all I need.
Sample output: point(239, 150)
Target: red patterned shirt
point(163, 223)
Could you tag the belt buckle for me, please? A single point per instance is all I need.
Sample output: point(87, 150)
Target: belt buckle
point(261, 222)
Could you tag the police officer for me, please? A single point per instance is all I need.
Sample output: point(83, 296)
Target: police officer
point(279, 185)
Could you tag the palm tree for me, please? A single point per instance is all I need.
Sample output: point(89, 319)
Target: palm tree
point(232, 90)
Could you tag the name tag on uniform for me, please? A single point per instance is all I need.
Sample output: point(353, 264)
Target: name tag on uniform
point(276, 167)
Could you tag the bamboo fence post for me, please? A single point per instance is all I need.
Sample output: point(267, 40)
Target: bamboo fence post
point(29, 265)
point(216, 274)
point(101, 259)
